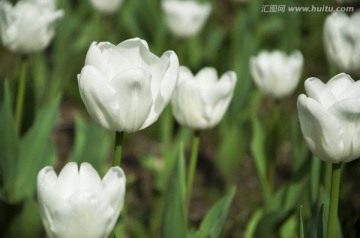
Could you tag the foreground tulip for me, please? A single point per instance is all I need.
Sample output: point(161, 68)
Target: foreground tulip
point(77, 203)
point(275, 73)
point(185, 18)
point(199, 102)
point(29, 26)
point(126, 87)
point(106, 6)
point(342, 41)
point(330, 118)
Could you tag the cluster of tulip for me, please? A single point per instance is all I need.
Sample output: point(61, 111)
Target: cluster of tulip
point(126, 87)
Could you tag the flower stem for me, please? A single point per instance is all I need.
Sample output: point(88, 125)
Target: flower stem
point(192, 166)
point(119, 136)
point(327, 177)
point(334, 199)
point(20, 94)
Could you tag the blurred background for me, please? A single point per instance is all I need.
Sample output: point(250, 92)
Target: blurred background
point(235, 31)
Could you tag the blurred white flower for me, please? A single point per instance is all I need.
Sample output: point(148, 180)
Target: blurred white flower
point(330, 118)
point(185, 18)
point(107, 6)
point(126, 87)
point(27, 27)
point(77, 203)
point(199, 102)
point(342, 41)
point(275, 73)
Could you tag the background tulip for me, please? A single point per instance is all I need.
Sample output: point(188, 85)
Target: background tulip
point(329, 118)
point(106, 6)
point(185, 18)
point(342, 41)
point(28, 26)
point(126, 87)
point(77, 203)
point(275, 73)
point(199, 102)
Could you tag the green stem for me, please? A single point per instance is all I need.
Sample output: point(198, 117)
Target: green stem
point(327, 177)
point(20, 94)
point(334, 199)
point(192, 167)
point(119, 136)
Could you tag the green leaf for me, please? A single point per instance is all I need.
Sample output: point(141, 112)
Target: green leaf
point(252, 224)
point(92, 144)
point(258, 152)
point(213, 223)
point(319, 233)
point(270, 223)
point(36, 151)
point(301, 224)
point(174, 223)
point(9, 146)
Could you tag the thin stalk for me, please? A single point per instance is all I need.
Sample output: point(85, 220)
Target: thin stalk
point(20, 94)
point(192, 166)
point(119, 136)
point(327, 177)
point(334, 200)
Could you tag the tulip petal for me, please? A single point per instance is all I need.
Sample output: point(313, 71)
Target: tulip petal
point(83, 215)
point(348, 113)
point(114, 183)
point(95, 58)
point(207, 76)
point(68, 180)
point(188, 106)
point(322, 132)
point(222, 105)
point(47, 194)
point(318, 91)
point(340, 83)
point(100, 98)
point(166, 83)
point(89, 179)
point(134, 96)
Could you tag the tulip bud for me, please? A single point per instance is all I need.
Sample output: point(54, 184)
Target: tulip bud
point(107, 7)
point(329, 118)
point(199, 102)
point(185, 18)
point(77, 203)
point(342, 41)
point(275, 73)
point(126, 87)
point(28, 26)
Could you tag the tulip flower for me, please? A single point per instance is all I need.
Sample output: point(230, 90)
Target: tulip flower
point(29, 26)
point(77, 203)
point(107, 7)
point(126, 87)
point(275, 73)
point(342, 41)
point(199, 102)
point(329, 118)
point(185, 18)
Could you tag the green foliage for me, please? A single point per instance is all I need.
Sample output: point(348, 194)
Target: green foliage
point(22, 158)
point(174, 222)
point(213, 223)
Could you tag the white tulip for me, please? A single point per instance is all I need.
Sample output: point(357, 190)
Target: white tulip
point(199, 102)
point(185, 18)
point(330, 118)
point(27, 27)
point(342, 41)
point(275, 73)
point(126, 87)
point(107, 6)
point(77, 203)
